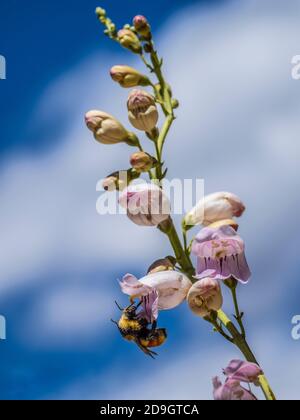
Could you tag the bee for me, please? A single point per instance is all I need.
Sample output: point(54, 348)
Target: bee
point(137, 329)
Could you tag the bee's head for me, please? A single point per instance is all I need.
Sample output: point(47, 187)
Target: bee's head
point(130, 311)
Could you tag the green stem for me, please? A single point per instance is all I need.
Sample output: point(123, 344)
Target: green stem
point(185, 262)
point(243, 346)
point(238, 314)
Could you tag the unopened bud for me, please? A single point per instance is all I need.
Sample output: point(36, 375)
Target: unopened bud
point(142, 110)
point(119, 180)
point(129, 40)
point(164, 264)
point(112, 183)
point(128, 77)
point(225, 222)
point(107, 129)
point(142, 26)
point(100, 12)
point(175, 103)
point(142, 161)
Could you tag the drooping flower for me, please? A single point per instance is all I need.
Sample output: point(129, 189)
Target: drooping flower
point(128, 39)
point(214, 208)
point(142, 110)
point(231, 390)
point(107, 129)
point(146, 204)
point(128, 77)
point(243, 371)
point(205, 296)
point(172, 287)
point(221, 249)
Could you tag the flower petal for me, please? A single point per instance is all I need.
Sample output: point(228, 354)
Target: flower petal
point(131, 286)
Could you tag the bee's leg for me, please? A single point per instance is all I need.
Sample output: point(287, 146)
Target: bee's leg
point(139, 304)
point(154, 325)
point(118, 306)
point(115, 322)
point(146, 350)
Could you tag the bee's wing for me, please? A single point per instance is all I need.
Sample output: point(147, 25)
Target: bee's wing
point(146, 350)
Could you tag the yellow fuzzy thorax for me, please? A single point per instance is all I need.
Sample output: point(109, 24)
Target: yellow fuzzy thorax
point(129, 324)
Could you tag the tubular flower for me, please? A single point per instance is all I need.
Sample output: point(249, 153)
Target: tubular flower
point(243, 371)
point(231, 390)
point(171, 286)
point(107, 129)
point(142, 110)
point(214, 208)
point(146, 204)
point(221, 250)
point(205, 296)
point(128, 77)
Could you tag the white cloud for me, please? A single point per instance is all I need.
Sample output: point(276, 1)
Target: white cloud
point(237, 127)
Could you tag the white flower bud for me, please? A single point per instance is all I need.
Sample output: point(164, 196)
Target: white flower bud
point(172, 287)
point(128, 39)
point(107, 129)
point(213, 208)
point(128, 77)
point(142, 110)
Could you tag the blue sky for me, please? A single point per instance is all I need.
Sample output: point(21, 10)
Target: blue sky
point(59, 261)
point(40, 41)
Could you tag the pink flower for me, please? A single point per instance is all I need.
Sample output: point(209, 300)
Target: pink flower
point(205, 296)
point(131, 286)
point(243, 371)
point(172, 287)
point(231, 390)
point(222, 250)
point(146, 204)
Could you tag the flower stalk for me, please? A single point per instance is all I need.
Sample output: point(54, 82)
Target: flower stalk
point(218, 208)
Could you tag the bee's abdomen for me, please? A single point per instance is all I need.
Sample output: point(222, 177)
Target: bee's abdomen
point(156, 339)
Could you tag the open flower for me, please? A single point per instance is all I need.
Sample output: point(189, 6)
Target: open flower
point(107, 129)
point(243, 371)
point(214, 208)
point(146, 204)
point(171, 286)
point(142, 110)
point(205, 296)
point(231, 390)
point(222, 250)
point(128, 77)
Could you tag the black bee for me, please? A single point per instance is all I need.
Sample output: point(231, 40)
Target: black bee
point(135, 328)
